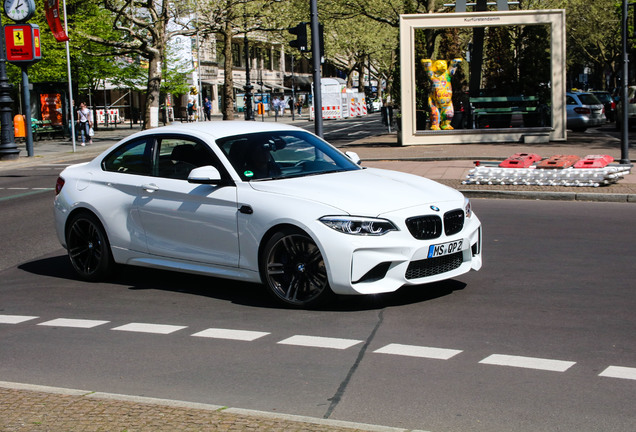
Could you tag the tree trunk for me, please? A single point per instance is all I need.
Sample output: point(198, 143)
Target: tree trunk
point(228, 82)
point(151, 108)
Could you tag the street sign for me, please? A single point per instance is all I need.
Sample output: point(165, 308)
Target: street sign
point(23, 43)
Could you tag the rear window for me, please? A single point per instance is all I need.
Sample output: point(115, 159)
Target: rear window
point(588, 99)
point(603, 97)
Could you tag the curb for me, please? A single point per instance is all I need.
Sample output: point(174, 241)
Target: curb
point(549, 196)
point(281, 418)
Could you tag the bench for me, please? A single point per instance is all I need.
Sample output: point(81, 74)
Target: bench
point(42, 128)
point(497, 111)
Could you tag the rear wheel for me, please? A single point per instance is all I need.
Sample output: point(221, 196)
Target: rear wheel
point(88, 247)
point(293, 269)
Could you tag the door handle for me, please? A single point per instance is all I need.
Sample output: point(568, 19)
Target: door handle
point(150, 187)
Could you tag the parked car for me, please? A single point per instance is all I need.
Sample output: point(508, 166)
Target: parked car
point(631, 108)
point(374, 105)
point(608, 103)
point(266, 203)
point(584, 110)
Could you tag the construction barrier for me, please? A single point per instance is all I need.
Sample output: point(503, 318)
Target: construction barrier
point(112, 114)
point(520, 160)
point(558, 162)
point(328, 112)
point(594, 161)
point(597, 171)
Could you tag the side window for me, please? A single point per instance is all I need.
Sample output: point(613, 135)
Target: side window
point(134, 157)
point(569, 100)
point(178, 156)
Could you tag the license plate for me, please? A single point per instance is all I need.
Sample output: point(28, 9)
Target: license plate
point(444, 248)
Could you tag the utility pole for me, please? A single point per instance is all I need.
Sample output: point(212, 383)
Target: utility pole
point(249, 112)
point(316, 57)
point(624, 87)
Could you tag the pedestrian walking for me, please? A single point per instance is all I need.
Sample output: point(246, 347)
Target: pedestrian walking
point(276, 105)
point(207, 109)
point(192, 104)
point(299, 105)
point(290, 103)
point(85, 124)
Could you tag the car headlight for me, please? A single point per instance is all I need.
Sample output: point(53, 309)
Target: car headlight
point(467, 209)
point(358, 225)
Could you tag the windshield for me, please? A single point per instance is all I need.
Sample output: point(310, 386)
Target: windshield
point(282, 154)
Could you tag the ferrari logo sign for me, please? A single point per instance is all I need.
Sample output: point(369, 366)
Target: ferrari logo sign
point(23, 43)
point(18, 37)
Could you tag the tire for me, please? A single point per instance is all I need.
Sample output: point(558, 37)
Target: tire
point(88, 247)
point(293, 269)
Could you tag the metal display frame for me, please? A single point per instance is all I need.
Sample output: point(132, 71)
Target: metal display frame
point(409, 23)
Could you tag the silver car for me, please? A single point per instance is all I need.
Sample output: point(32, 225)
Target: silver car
point(631, 108)
point(584, 110)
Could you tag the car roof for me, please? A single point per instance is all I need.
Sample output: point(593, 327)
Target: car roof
point(219, 129)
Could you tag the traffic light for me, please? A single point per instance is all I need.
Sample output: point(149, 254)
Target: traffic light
point(301, 36)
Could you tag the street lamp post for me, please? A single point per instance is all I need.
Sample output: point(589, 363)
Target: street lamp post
point(8, 148)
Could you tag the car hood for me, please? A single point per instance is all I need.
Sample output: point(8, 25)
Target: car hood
point(367, 192)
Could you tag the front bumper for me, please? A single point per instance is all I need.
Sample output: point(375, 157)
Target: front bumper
point(372, 265)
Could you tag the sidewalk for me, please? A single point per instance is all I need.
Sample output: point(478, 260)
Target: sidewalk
point(27, 408)
point(448, 164)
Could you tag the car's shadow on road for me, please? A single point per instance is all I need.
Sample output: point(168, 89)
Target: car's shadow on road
point(236, 292)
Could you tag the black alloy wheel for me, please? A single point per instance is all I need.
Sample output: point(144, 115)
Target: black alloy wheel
point(293, 269)
point(88, 247)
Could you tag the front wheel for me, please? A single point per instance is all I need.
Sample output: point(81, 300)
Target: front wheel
point(88, 247)
point(293, 269)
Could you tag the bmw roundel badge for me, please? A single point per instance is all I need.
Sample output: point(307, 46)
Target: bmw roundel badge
point(435, 208)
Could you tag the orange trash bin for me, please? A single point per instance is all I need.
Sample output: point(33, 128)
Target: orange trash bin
point(19, 128)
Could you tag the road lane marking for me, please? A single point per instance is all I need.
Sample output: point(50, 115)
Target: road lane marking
point(418, 351)
point(241, 335)
point(619, 372)
point(15, 319)
point(149, 328)
point(33, 192)
point(528, 362)
point(75, 323)
point(320, 342)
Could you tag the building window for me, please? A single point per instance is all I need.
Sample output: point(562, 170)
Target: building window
point(237, 58)
point(267, 58)
point(276, 60)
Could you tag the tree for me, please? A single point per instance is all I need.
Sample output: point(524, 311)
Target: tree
point(143, 29)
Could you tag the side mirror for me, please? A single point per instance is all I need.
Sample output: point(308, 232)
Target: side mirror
point(354, 157)
point(205, 175)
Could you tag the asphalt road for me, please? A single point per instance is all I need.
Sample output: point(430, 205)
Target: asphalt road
point(537, 340)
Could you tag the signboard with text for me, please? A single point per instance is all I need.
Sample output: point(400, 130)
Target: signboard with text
point(23, 43)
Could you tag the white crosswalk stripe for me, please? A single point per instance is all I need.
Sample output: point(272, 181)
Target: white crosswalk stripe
point(528, 362)
point(418, 351)
point(320, 342)
point(149, 328)
point(242, 335)
point(15, 319)
point(77, 323)
point(619, 372)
